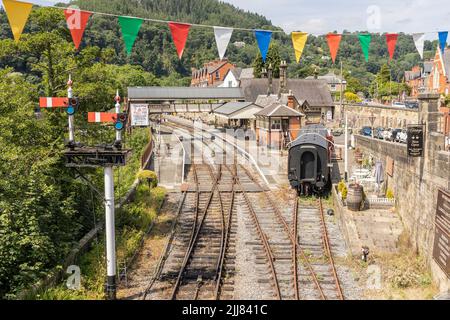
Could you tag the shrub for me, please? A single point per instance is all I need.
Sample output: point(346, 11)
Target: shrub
point(148, 176)
point(390, 194)
point(351, 97)
point(341, 186)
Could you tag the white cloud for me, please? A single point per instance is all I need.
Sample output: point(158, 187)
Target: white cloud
point(322, 16)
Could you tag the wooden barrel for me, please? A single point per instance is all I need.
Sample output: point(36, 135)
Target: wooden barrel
point(354, 197)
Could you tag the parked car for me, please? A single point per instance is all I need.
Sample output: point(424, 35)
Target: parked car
point(395, 133)
point(398, 104)
point(378, 133)
point(387, 134)
point(412, 104)
point(402, 136)
point(337, 132)
point(366, 131)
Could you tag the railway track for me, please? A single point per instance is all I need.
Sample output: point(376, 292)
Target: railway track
point(200, 262)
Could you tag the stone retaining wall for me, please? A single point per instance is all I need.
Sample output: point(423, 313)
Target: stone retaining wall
point(415, 182)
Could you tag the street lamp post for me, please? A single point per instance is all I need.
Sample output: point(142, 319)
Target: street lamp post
point(372, 120)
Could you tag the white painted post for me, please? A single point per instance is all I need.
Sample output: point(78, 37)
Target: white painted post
point(71, 119)
point(118, 132)
point(346, 148)
point(110, 234)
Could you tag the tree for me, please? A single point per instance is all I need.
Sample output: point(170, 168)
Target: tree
point(272, 59)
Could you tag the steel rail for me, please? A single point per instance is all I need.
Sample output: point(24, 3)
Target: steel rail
point(268, 251)
point(295, 242)
point(328, 250)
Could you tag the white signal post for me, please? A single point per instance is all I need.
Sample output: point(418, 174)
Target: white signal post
point(346, 148)
point(71, 119)
point(118, 132)
point(110, 234)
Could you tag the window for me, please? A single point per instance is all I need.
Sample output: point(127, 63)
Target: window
point(230, 84)
point(276, 124)
point(217, 75)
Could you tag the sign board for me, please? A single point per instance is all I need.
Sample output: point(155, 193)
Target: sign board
point(329, 116)
point(415, 140)
point(139, 115)
point(441, 249)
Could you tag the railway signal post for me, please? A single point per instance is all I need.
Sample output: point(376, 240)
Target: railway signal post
point(106, 156)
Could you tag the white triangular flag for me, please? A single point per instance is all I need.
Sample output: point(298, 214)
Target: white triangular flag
point(223, 36)
point(419, 39)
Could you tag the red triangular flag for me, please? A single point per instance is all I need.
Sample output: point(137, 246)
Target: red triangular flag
point(180, 33)
point(76, 22)
point(391, 39)
point(333, 43)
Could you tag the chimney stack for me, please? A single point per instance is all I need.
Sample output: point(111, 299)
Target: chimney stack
point(264, 73)
point(283, 78)
point(269, 76)
point(316, 73)
point(291, 100)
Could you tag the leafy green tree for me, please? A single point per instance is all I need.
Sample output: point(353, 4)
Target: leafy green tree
point(272, 59)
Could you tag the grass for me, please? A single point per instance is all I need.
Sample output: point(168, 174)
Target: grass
point(404, 275)
point(132, 222)
point(125, 176)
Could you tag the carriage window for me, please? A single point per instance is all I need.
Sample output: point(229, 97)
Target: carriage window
point(276, 124)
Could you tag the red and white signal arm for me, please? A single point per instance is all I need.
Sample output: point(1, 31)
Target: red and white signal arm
point(51, 102)
point(99, 117)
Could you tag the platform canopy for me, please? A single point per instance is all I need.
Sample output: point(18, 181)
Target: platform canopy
point(143, 94)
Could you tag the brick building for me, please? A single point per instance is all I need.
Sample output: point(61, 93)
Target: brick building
point(439, 82)
point(212, 74)
point(417, 78)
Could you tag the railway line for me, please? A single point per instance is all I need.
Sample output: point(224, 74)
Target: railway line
point(291, 260)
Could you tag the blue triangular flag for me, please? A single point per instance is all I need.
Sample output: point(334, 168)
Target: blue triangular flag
point(443, 40)
point(263, 38)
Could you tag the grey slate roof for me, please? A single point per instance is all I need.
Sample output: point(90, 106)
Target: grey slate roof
point(446, 58)
point(246, 73)
point(315, 92)
point(330, 78)
point(173, 93)
point(279, 110)
point(231, 107)
point(427, 67)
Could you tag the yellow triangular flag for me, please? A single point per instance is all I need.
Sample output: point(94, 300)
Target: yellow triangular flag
point(17, 13)
point(299, 41)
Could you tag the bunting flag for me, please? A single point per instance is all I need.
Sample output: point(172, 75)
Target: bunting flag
point(443, 40)
point(365, 39)
point(391, 40)
point(223, 36)
point(263, 38)
point(334, 40)
point(130, 28)
point(299, 41)
point(76, 22)
point(419, 40)
point(180, 32)
point(17, 13)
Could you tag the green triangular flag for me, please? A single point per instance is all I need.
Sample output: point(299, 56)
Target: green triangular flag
point(364, 39)
point(130, 28)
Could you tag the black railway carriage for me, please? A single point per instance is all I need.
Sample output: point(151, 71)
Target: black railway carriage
point(309, 162)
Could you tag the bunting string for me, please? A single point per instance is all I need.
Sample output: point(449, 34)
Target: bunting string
point(77, 19)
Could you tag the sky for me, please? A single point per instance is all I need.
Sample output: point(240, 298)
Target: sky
point(323, 16)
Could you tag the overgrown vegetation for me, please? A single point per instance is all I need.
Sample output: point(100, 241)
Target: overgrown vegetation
point(132, 222)
point(44, 208)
